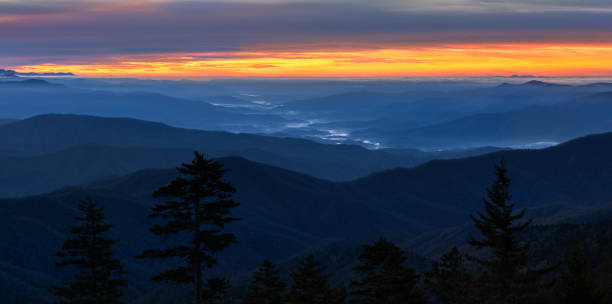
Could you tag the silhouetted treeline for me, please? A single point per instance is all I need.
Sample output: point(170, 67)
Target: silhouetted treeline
point(502, 266)
point(497, 270)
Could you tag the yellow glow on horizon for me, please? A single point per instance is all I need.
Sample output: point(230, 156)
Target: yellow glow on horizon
point(455, 60)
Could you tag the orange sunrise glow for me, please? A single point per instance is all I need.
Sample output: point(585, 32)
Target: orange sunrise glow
point(458, 60)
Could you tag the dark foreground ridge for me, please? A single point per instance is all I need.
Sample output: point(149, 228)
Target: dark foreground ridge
point(286, 213)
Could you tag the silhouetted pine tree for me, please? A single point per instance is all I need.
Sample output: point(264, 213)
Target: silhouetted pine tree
point(266, 286)
point(384, 278)
point(576, 284)
point(311, 286)
point(98, 273)
point(198, 207)
point(504, 276)
point(449, 280)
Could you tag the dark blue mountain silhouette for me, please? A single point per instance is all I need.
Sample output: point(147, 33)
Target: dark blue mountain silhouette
point(51, 133)
point(286, 213)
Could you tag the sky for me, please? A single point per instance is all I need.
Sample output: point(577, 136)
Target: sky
point(307, 38)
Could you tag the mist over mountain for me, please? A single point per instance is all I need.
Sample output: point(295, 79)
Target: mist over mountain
point(373, 114)
point(151, 106)
point(554, 123)
point(55, 137)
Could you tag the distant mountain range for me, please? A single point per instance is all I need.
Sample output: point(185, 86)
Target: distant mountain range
point(7, 73)
point(29, 84)
point(26, 101)
point(553, 123)
point(11, 73)
point(530, 114)
point(284, 214)
point(431, 105)
point(534, 84)
point(406, 116)
point(543, 84)
point(70, 141)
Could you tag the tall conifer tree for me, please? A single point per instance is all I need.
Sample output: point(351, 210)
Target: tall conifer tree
point(197, 208)
point(384, 277)
point(98, 279)
point(504, 276)
point(266, 286)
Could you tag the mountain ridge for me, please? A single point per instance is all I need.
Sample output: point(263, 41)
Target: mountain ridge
point(284, 214)
point(554, 123)
point(49, 133)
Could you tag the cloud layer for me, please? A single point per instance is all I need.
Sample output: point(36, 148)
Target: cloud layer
point(88, 32)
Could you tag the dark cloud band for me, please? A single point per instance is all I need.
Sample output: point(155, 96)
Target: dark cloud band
point(61, 31)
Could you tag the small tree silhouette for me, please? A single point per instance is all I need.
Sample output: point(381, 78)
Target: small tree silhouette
point(89, 251)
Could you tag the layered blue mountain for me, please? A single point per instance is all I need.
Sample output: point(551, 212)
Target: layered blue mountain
point(27, 98)
point(522, 127)
point(71, 149)
point(430, 104)
point(389, 114)
point(284, 213)
point(434, 117)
